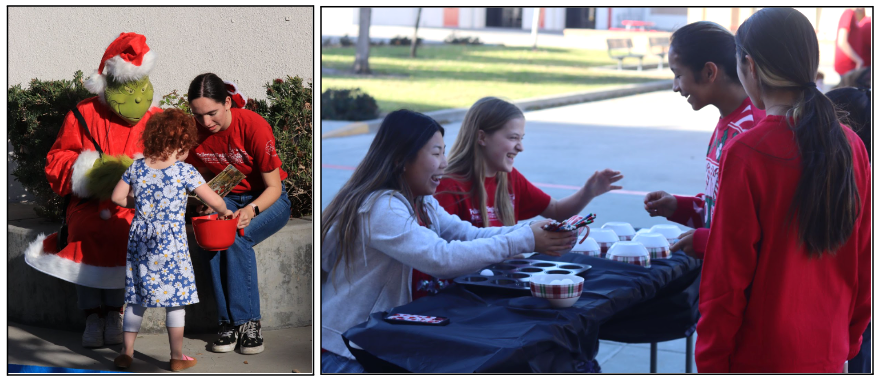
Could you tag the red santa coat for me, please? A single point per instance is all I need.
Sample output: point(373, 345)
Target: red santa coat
point(96, 248)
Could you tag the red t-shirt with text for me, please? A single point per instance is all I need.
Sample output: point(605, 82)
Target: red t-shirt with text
point(248, 144)
point(528, 200)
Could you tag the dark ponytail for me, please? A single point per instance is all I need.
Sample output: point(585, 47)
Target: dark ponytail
point(826, 203)
point(704, 41)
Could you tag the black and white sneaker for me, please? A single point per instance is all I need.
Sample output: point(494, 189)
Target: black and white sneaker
point(228, 338)
point(251, 338)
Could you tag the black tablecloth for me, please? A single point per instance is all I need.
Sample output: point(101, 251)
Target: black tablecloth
point(493, 331)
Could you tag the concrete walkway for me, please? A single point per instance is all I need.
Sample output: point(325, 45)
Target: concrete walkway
point(287, 351)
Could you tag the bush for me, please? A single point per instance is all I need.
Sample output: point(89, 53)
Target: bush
point(455, 40)
point(289, 112)
point(34, 117)
point(346, 41)
point(402, 41)
point(348, 104)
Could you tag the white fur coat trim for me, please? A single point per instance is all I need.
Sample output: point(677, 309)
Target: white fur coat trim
point(78, 273)
point(79, 181)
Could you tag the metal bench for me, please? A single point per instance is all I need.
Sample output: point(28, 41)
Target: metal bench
point(620, 48)
point(659, 46)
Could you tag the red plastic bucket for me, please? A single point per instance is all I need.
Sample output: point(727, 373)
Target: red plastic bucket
point(213, 234)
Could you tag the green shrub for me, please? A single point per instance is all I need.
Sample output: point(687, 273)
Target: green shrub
point(455, 40)
point(34, 117)
point(289, 112)
point(348, 104)
point(403, 41)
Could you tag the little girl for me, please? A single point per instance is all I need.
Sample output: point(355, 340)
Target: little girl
point(159, 270)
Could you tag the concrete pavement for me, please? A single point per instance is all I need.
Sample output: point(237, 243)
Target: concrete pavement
point(287, 351)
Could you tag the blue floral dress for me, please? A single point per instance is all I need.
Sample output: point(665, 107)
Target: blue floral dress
point(159, 271)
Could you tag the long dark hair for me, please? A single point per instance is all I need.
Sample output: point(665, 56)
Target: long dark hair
point(854, 104)
point(704, 41)
point(402, 134)
point(783, 45)
point(207, 85)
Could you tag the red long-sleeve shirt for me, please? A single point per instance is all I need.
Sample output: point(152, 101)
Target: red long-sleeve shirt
point(697, 211)
point(766, 306)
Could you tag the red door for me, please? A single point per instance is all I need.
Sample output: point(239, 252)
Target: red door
point(450, 17)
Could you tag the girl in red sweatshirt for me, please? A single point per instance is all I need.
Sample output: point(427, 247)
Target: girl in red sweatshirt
point(787, 270)
point(701, 55)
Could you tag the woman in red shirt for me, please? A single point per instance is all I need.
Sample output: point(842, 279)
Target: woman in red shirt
point(787, 271)
point(231, 135)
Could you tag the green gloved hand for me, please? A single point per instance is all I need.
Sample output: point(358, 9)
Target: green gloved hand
point(106, 173)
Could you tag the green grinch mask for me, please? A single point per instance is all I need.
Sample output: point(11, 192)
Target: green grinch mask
point(130, 100)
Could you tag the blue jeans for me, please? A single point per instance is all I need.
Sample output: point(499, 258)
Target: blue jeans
point(234, 271)
point(333, 363)
point(862, 362)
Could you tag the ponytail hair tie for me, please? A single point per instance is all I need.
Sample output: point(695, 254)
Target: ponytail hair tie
point(238, 99)
point(810, 85)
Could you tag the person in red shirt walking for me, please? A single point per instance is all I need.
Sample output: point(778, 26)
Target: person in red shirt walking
point(848, 46)
point(701, 56)
point(231, 135)
point(787, 271)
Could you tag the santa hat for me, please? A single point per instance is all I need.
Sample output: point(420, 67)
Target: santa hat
point(238, 99)
point(128, 58)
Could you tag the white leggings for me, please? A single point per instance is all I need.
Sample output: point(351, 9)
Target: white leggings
point(134, 315)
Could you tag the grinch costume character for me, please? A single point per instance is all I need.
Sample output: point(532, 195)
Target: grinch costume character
point(93, 254)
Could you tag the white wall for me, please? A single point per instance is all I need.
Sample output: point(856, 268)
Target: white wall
point(249, 46)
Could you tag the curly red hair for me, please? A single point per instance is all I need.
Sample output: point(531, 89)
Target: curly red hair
point(167, 132)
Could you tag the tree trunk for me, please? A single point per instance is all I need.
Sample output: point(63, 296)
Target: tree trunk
point(536, 18)
point(415, 39)
point(362, 50)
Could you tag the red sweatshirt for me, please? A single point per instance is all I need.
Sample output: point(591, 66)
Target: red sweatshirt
point(765, 305)
point(697, 211)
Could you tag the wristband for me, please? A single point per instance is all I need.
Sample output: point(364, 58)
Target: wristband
point(256, 209)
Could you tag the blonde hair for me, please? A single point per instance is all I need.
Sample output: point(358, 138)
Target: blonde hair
point(466, 162)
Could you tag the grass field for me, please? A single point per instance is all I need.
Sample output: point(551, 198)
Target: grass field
point(447, 76)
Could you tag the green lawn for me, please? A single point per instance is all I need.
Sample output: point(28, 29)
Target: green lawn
point(447, 76)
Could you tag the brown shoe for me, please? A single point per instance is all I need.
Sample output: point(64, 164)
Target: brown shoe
point(186, 362)
point(122, 361)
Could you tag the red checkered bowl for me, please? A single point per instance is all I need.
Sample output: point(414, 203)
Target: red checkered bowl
point(630, 252)
point(671, 232)
point(623, 229)
point(588, 247)
point(559, 295)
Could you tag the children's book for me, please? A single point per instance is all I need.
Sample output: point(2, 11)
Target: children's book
point(223, 183)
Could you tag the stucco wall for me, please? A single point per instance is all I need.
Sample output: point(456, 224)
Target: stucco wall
point(249, 46)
